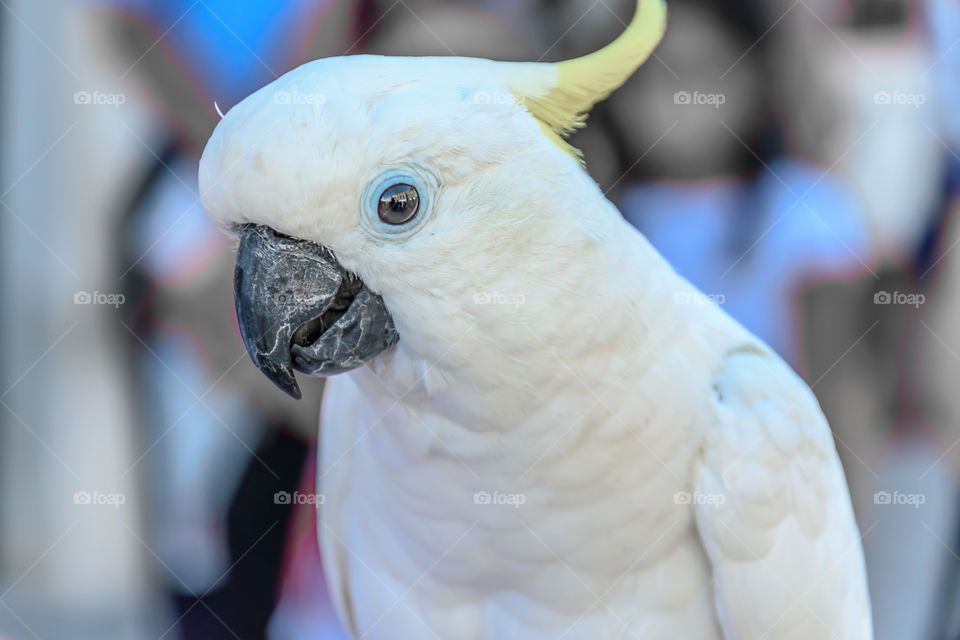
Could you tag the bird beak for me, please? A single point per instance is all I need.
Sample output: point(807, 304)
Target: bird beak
point(298, 308)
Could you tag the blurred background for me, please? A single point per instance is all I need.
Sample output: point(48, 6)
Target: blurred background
point(795, 159)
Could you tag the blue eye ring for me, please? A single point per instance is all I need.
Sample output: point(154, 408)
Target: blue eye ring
point(398, 180)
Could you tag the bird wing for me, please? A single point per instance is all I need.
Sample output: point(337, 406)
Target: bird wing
point(773, 511)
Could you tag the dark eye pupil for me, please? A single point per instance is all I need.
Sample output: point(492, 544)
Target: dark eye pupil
point(398, 204)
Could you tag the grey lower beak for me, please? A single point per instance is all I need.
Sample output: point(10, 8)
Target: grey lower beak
point(298, 308)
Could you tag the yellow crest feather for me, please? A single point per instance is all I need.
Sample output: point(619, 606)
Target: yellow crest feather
point(583, 82)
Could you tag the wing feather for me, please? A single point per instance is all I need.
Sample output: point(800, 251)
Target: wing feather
point(774, 513)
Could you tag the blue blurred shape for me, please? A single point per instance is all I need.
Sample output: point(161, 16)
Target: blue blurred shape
point(753, 246)
point(229, 48)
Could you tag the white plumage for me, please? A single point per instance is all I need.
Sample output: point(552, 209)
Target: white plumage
point(567, 442)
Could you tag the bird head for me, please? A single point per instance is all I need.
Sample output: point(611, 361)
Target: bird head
point(370, 194)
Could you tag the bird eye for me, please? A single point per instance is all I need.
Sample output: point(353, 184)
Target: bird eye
point(398, 204)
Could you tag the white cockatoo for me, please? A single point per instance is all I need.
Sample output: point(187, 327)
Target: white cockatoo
point(540, 430)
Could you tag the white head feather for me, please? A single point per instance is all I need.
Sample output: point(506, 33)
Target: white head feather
point(500, 189)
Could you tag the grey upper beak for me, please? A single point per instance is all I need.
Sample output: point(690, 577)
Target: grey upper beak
point(298, 308)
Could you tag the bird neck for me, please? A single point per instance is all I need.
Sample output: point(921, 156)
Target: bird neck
point(490, 353)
